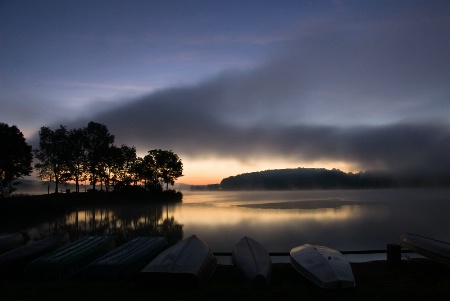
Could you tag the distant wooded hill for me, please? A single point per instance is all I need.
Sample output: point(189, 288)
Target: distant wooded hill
point(306, 178)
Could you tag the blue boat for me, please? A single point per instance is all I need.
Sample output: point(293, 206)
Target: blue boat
point(127, 260)
point(70, 259)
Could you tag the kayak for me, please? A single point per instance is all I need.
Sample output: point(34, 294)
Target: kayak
point(431, 248)
point(127, 260)
point(324, 266)
point(69, 260)
point(188, 264)
point(252, 261)
point(14, 261)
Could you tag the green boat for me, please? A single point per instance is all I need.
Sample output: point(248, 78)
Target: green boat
point(10, 241)
point(127, 260)
point(13, 262)
point(69, 260)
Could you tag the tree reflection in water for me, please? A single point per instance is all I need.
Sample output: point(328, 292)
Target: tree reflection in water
point(124, 222)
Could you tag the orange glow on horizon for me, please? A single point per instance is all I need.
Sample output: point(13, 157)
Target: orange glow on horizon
point(212, 171)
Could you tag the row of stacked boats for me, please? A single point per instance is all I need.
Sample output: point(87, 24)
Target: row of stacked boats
point(189, 263)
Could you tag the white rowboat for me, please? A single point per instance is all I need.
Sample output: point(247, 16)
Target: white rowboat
point(252, 261)
point(324, 266)
point(189, 263)
point(431, 248)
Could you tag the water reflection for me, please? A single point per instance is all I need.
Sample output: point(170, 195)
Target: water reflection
point(279, 230)
point(344, 220)
point(123, 223)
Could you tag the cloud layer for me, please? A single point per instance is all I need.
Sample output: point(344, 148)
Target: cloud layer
point(373, 92)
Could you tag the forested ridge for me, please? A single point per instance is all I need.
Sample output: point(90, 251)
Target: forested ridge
point(307, 178)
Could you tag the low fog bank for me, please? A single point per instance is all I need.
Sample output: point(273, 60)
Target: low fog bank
point(372, 92)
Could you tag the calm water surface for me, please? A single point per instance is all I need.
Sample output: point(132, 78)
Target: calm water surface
point(281, 220)
point(345, 220)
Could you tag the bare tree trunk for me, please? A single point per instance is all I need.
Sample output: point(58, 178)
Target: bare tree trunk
point(56, 183)
point(49, 183)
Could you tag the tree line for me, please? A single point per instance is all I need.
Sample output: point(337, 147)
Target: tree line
point(83, 154)
point(306, 178)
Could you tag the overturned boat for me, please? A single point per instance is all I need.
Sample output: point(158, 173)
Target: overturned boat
point(70, 259)
point(13, 262)
point(127, 260)
point(436, 250)
point(188, 264)
point(252, 261)
point(10, 241)
point(324, 266)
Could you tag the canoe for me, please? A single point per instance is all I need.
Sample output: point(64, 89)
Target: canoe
point(10, 241)
point(324, 266)
point(252, 261)
point(127, 260)
point(13, 262)
point(187, 264)
point(431, 248)
point(70, 259)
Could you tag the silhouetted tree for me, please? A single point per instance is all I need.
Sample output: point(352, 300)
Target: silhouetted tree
point(129, 160)
point(77, 156)
point(74, 155)
point(119, 163)
point(53, 155)
point(147, 172)
point(15, 158)
point(137, 169)
point(98, 142)
point(165, 166)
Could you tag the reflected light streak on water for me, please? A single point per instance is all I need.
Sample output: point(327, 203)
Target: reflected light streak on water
point(218, 217)
point(374, 219)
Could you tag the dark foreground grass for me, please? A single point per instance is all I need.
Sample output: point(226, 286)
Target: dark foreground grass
point(416, 279)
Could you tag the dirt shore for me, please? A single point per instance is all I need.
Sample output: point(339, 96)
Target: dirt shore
point(417, 279)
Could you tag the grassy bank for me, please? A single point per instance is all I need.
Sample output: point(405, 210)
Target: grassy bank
point(417, 279)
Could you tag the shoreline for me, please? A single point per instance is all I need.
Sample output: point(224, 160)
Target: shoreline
point(413, 279)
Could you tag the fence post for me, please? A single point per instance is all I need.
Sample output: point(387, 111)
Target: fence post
point(394, 254)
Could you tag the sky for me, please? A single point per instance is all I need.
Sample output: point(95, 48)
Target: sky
point(238, 86)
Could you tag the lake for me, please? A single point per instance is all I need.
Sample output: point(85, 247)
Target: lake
point(279, 220)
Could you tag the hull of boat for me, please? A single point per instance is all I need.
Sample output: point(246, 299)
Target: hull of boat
point(252, 261)
point(10, 241)
point(127, 260)
point(189, 263)
point(324, 266)
point(13, 263)
point(431, 248)
point(69, 259)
